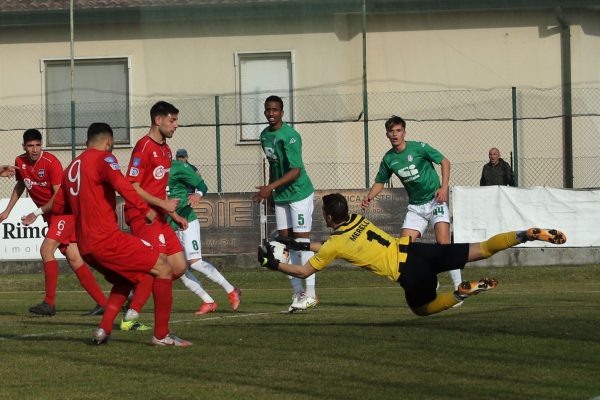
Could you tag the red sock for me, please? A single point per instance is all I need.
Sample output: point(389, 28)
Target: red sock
point(116, 299)
point(162, 290)
point(50, 281)
point(141, 293)
point(87, 280)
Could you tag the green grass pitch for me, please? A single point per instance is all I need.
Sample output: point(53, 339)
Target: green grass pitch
point(537, 336)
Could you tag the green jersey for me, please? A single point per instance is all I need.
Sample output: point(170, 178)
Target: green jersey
point(414, 167)
point(283, 149)
point(181, 177)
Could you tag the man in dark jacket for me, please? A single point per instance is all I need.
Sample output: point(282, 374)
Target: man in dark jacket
point(497, 171)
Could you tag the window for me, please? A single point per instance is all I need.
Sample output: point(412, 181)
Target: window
point(101, 92)
point(259, 76)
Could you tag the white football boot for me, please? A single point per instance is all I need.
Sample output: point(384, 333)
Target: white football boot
point(298, 302)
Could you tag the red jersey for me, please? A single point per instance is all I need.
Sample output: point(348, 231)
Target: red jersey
point(39, 176)
point(149, 165)
point(88, 190)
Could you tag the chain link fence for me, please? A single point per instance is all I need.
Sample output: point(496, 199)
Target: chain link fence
point(340, 150)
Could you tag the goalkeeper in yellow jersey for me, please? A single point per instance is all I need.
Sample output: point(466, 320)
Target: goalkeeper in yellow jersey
point(413, 265)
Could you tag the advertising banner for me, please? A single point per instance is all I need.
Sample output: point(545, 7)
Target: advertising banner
point(480, 212)
point(230, 223)
point(20, 242)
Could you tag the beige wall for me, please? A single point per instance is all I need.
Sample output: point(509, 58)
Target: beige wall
point(406, 53)
point(468, 50)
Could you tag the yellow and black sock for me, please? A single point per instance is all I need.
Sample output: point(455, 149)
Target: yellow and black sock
point(443, 301)
point(499, 242)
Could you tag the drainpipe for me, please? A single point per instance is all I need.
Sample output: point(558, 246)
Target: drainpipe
point(567, 104)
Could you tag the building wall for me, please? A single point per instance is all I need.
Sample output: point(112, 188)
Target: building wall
point(406, 53)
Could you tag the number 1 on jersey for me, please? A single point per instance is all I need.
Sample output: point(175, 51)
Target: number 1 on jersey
point(373, 236)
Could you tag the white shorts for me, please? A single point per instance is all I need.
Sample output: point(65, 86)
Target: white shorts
point(296, 215)
point(190, 240)
point(419, 216)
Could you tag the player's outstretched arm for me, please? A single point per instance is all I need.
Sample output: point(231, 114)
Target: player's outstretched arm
point(190, 178)
point(179, 220)
point(441, 195)
point(268, 260)
point(124, 188)
point(375, 190)
point(59, 206)
point(7, 170)
point(150, 215)
point(264, 192)
point(32, 216)
point(293, 244)
point(193, 179)
point(169, 205)
point(14, 197)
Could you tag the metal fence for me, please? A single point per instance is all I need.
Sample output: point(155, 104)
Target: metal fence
point(341, 151)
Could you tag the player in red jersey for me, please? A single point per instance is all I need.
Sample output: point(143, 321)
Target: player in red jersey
point(40, 173)
point(148, 172)
point(88, 191)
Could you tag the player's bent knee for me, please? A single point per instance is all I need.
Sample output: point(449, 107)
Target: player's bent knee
point(420, 311)
point(178, 269)
point(162, 269)
point(177, 262)
point(48, 249)
point(74, 262)
point(73, 257)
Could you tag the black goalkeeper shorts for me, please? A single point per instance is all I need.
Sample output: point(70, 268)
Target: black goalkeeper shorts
point(418, 276)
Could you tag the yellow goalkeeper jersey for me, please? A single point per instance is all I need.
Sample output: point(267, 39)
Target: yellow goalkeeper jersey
point(361, 243)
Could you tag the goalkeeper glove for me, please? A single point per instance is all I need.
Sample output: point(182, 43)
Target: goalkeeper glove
point(266, 258)
point(292, 243)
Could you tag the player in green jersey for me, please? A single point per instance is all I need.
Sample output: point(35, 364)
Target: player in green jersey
point(413, 265)
point(412, 162)
point(292, 192)
point(181, 177)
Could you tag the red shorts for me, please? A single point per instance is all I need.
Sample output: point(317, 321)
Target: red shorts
point(124, 256)
point(62, 229)
point(159, 234)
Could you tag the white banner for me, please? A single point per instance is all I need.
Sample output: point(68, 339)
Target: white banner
point(480, 212)
point(21, 242)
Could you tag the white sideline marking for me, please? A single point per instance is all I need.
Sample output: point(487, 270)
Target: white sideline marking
point(34, 335)
point(186, 290)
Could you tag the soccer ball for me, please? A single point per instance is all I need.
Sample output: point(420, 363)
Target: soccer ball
point(279, 251)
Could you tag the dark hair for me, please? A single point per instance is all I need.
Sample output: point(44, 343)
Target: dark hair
point(393, 121)
point(336, 205)
point(276, 99)
point(162, 108)
point(98, 128)
point(31, 134)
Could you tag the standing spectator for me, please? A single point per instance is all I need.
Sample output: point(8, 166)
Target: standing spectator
point(292, 191)
point(497, 171)
point(40, 172)
point(412, 162)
